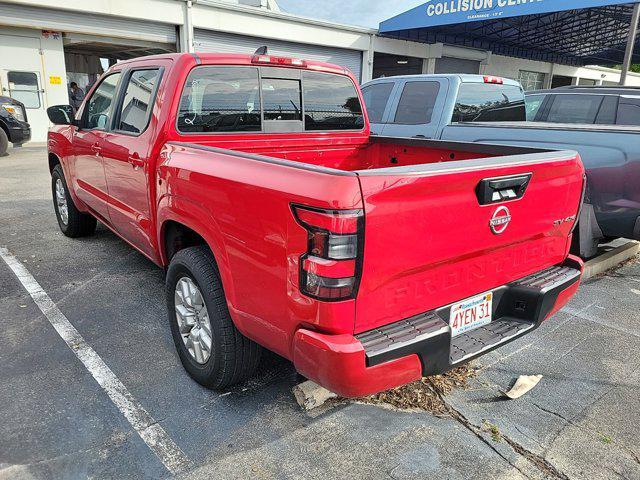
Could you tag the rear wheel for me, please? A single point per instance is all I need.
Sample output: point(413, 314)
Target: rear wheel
point(72, 221)
point(211, 348)
point(4, 143)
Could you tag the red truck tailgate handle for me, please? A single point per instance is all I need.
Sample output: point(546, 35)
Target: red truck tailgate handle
point(502, 189)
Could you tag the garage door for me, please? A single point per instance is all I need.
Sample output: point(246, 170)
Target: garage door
point(209, 41)
point(457, 65)
point(79, 22)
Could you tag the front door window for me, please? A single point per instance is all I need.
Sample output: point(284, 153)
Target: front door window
point(98, 109)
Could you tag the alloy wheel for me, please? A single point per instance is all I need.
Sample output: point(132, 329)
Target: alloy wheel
point(61, 202)
point(193, 320)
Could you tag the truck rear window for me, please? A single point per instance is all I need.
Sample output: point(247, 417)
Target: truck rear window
point(220, 99)
point(237, 99)
point(489, 102)
point(330, 103)
point(282, 99)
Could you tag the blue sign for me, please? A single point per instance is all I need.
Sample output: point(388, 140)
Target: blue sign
point(446, 12)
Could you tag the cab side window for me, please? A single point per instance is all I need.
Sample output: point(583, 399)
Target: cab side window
point(417, 102)
point(629, 111)
point(137, 103)
point(376, 97)
point(98, 111)
point(567, 108)
point(532, 105)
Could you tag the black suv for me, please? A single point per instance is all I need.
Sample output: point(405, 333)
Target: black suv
point(13, 124)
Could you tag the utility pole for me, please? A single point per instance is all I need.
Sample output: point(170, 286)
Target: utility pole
point(631, 43)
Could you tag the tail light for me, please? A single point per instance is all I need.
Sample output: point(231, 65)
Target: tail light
point(492, 79)
point(330, 268)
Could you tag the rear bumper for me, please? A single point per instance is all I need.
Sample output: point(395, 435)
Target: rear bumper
point(404, 351)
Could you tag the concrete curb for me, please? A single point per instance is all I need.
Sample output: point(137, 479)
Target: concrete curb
point(610, 259)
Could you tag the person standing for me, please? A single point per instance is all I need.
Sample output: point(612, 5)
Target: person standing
point(76, 95)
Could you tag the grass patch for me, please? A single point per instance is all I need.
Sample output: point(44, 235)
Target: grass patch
point(605, 439)
point(496, 436)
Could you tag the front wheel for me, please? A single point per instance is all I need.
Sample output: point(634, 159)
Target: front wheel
point(72, 221)
point(210, 347)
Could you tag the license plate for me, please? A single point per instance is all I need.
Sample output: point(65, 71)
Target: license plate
point(471, 314)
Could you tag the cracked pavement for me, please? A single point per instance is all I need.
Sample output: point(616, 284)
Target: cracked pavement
point(581, 422)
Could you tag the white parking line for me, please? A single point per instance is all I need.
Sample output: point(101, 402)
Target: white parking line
point(142, 422)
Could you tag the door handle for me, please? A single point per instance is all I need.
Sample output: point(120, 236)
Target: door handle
point(95, 148)
point(135, 161)
point(502, 189)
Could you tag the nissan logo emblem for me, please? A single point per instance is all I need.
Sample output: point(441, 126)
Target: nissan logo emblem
point(500, 220)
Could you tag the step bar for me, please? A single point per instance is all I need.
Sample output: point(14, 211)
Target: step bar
point(518, 308)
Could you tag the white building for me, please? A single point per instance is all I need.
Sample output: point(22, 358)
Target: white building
point(45, 44)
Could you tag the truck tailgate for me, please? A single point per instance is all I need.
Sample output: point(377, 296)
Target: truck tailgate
point(430, 241)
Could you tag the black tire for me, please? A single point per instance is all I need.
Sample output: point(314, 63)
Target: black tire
point(234, 358)
point(4, 143)
point(78, 224)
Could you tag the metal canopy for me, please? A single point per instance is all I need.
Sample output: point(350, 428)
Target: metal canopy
point(580, 36)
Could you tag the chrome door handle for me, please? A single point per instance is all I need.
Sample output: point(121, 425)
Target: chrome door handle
point(95, 148)
point(135, 161)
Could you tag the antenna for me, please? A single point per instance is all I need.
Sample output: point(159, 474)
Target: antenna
point(261, 51)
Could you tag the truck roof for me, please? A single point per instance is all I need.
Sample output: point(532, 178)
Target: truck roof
point(462, 77)
point(239, 59)
point(591, 89)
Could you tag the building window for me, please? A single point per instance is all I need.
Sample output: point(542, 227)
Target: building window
point(531, 80)
point(23, 86)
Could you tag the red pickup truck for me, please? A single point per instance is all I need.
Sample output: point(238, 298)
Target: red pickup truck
point(367, 261)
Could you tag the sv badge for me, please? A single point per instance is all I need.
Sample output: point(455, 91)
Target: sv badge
point(562, 221)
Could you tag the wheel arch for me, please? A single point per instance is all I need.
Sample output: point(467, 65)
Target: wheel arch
point(182, 224)
point(53, 161)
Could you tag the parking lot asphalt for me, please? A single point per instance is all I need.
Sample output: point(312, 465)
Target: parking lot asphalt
point(581, 422)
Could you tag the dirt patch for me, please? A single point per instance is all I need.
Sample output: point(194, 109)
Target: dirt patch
point(425, 394)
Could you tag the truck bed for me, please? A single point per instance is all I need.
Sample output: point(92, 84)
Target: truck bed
point(352, 155)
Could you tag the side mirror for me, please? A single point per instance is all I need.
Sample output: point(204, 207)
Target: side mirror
point(61, 115)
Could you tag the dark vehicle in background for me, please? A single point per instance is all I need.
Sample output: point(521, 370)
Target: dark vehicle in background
point(586, 105)
point(485, 109)
point(13, 124)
